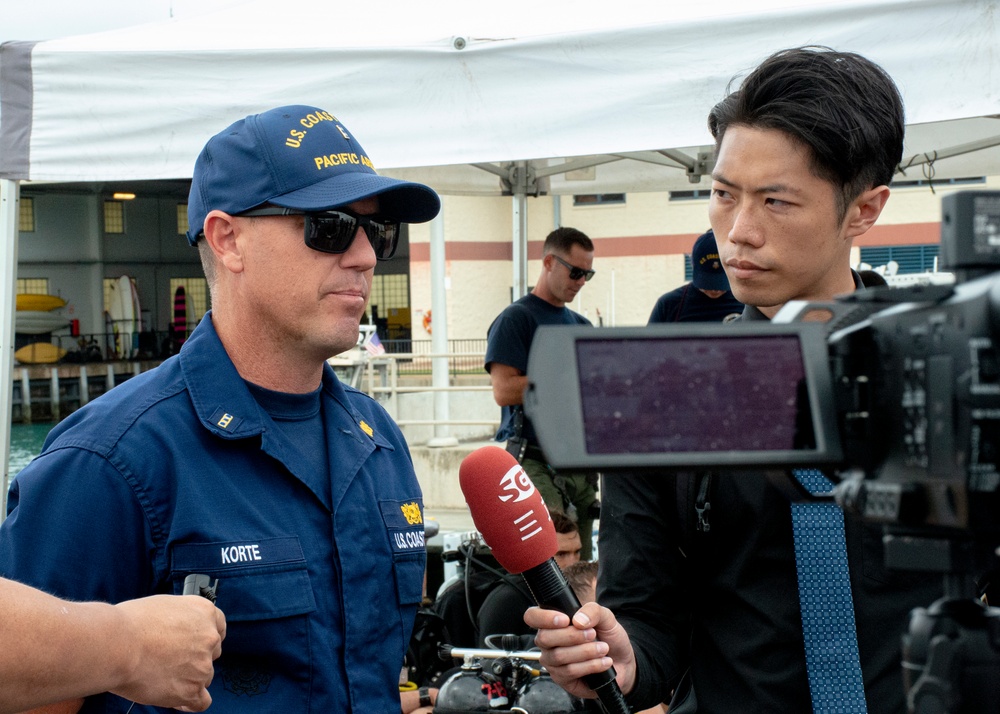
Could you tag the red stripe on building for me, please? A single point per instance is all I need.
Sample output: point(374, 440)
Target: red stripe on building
point(643, 246)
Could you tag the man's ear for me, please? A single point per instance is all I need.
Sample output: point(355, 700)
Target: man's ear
point(865, 210)
point(221, 232)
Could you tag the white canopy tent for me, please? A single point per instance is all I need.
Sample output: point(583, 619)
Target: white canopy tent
point(472, 102)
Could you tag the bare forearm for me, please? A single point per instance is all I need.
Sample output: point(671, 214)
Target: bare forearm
point(511, 396)
point(508, 387)
point(43, 635)
point(155, 650)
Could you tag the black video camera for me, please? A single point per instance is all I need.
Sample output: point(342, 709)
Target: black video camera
point(894, 393)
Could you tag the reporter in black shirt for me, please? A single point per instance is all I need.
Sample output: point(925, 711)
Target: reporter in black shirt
point(806, 148)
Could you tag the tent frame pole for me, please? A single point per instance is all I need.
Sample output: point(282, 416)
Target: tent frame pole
point(10, 204)
point(439, 336)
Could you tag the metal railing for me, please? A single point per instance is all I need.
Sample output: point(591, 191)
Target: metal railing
point(414, 356)
point(104, 346)
point(406, 367)
point(383, 376)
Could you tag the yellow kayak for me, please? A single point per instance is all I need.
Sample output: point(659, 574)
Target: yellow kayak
point(38, 302)
point(39, 353)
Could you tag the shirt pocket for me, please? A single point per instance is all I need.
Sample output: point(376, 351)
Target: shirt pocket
point(267, 597)
point(409, 573)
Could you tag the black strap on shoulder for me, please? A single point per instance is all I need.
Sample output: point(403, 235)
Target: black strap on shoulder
point(680, 307)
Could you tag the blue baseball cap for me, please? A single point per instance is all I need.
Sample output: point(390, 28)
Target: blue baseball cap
point(707, 272)
point(298, 157)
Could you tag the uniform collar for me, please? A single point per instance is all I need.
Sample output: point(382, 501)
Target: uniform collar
point(223, 402)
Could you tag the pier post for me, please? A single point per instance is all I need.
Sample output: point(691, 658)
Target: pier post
point(54, 393)
point(84, 385)
point(25, 396)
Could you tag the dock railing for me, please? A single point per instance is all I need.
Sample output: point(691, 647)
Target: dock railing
point(394, 375)
point(396, 378)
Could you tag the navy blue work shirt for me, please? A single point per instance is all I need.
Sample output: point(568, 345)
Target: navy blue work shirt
point(179, 471)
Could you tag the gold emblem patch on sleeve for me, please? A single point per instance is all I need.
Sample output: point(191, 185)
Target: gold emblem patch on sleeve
point(411, 511)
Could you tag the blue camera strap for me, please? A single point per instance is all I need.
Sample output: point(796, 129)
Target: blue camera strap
point(832, 661)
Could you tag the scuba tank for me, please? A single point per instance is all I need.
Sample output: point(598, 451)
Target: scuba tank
point(471, 690)
point(541, 695)
point(498, 681)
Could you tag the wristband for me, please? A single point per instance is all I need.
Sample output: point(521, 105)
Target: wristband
point(425, 697)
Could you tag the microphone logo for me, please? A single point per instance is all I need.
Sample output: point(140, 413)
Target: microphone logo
point(516, 480)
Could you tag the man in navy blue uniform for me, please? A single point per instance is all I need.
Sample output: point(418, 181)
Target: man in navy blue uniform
point(244, 458)
point(707, 298)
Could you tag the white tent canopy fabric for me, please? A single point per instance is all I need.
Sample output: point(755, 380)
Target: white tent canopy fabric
point(472, 101)
point(431, 85)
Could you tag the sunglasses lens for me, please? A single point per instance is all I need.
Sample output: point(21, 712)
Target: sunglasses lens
point(330, 233)
point(334, 233)
point(384, 237)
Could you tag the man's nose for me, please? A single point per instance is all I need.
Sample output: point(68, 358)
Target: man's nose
point(360, 252)
point(746, 226)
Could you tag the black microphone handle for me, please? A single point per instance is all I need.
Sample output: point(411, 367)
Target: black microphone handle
point(551, 591)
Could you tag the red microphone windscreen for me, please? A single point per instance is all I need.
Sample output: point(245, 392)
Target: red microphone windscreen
point(507, 509)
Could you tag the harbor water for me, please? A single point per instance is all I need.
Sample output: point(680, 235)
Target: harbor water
point(25, 444)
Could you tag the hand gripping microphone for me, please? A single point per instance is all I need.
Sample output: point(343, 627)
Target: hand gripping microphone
point(508, 510)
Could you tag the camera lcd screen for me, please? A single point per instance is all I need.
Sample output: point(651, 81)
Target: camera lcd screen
point(743, 393)
point(680, 396)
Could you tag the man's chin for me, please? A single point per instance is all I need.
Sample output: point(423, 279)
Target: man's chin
point(760, 299)
point(341, 337)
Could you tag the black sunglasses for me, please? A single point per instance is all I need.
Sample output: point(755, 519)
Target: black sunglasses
point(576, 273)
point(334, 231)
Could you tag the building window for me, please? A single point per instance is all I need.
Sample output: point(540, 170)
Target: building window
point(933, 182)
point(114, 217)
point(389, 305)
point(910, 258)
point(195, 303)
point(32, 286)
point(701, 194)
point(110, 285)
point(390, 292)
point(688, 269)
point(182, 219)
point(598, 199)
point(26, 217)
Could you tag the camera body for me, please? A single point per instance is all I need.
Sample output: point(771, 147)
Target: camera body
point(893, 392)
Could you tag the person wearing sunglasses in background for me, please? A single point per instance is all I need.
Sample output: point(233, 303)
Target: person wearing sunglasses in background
point(243, 458)
point(568, 257)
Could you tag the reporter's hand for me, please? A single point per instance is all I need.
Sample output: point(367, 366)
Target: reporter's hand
point(591, 643)
point(176, 639)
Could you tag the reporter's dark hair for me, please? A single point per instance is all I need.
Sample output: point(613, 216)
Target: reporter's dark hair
point(841, 105)
point(561, 240)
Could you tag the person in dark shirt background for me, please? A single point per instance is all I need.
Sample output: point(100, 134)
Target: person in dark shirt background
point(707, 297)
